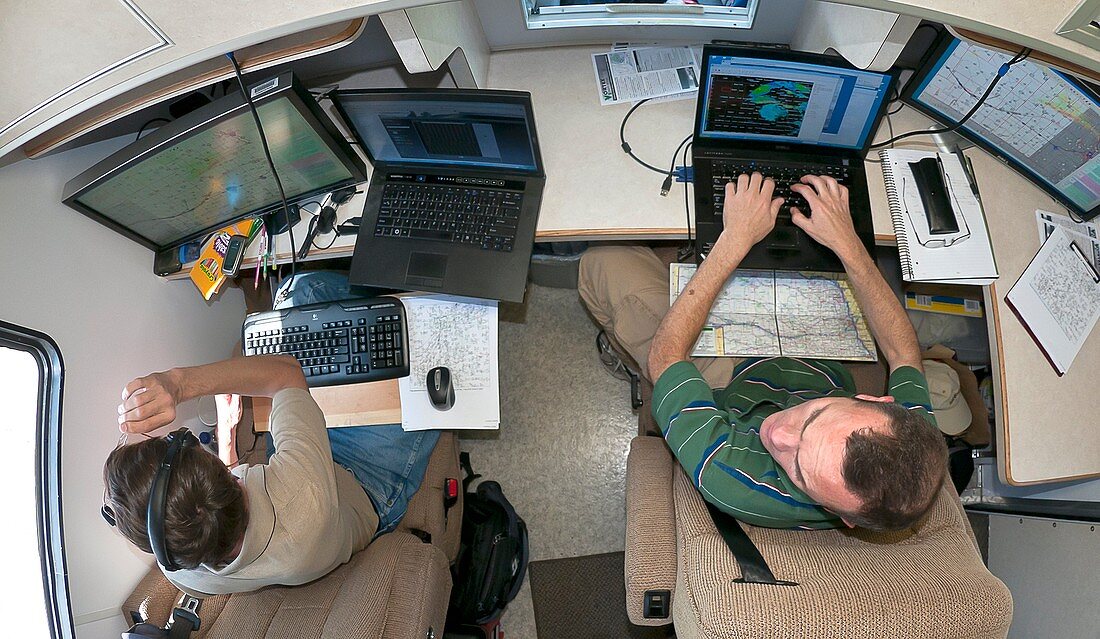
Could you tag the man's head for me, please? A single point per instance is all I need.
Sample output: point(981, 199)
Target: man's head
point(867, 459)
point(205, 515)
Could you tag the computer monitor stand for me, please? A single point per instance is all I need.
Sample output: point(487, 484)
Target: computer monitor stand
point(950, 142)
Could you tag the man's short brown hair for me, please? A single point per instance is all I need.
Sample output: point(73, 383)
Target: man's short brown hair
point(205, 516)
point(895, 472)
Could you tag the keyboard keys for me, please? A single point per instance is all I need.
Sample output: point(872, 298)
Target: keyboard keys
point(336, 345)
point(478, 217)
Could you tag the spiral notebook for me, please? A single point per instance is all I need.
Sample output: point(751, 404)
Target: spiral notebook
point(963, 255)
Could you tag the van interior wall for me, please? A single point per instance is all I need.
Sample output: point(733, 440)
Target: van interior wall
point(94, 292)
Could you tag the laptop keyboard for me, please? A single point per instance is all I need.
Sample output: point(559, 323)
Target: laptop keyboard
point(481, 217)
point(784, 175)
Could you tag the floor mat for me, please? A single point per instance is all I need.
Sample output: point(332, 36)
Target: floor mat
point(584, 598)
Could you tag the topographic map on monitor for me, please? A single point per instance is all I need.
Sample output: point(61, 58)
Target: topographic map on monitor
point(778, 313)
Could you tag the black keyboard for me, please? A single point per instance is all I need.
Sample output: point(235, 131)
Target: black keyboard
point(784, 175)
point(477, 216)
point(361, 340)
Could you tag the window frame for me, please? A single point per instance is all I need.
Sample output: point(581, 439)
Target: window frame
point(627, 14)
point(55, 576)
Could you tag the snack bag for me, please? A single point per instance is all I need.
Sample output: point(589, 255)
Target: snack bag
point(206, 272)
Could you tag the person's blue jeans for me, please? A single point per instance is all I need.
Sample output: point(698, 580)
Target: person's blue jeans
point(388, 462)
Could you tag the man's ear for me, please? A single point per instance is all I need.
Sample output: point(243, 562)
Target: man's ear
point(885, 399)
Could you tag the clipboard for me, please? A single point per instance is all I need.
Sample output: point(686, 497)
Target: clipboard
point(1057, 299)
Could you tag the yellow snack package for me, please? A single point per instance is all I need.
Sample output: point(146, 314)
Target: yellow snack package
point(206, 272)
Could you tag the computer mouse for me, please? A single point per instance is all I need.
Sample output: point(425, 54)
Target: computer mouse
point(441, 390)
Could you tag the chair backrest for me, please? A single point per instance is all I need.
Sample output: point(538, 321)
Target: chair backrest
point(928, 581)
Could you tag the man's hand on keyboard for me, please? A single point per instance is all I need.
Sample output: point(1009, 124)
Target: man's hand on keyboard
point(148, 403)
point(831, 222)
point(749, 211)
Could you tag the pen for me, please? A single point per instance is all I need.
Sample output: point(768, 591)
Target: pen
point(968, 170)
point(1081, 254)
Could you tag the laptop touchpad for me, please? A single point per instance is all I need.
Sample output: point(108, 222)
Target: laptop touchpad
point(426, 269)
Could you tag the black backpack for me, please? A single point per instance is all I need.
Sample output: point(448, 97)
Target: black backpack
point(492, 558)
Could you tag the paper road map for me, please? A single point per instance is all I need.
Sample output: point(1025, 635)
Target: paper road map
point(793, 314)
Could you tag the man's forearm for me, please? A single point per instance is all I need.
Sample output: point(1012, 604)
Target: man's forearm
point(680, 328)
point(887, 319)
point(257, 376)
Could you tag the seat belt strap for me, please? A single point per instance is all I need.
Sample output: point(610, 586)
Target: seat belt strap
point(754, 570)
point(185, 617)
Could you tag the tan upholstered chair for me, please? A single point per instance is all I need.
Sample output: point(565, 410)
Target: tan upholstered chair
point(397, 588)
point(928, 581)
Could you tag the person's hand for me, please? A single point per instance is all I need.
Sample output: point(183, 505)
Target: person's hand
point(148, 403)
point(750, 210)
point(831, 222)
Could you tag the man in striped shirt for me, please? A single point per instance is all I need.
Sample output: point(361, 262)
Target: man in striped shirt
point(787, 443)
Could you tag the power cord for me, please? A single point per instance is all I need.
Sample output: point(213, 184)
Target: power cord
point(142, 129)
point(270, 162)
point(1001, 72)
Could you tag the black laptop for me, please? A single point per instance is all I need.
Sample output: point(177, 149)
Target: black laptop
point(454, 198)
point(785, 115)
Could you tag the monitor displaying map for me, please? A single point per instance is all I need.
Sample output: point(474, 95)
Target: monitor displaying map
point(780, 100)
point(1043, 122)
point(198, 176)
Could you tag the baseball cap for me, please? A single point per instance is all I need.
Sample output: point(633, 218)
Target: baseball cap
point(953, 416)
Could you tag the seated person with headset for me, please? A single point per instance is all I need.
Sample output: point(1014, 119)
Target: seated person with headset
point(323, 494)
point(785, 443)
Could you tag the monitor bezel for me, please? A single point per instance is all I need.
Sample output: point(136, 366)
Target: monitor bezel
point(919, 79)
point(203, 118)
point(791, 56)
point(522, 98)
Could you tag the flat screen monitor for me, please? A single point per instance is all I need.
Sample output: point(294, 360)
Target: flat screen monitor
point(770, 97)
point(1043, 123)
point(208, 168)
point(492, 130)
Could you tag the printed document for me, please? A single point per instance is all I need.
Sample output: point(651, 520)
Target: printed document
point(633, 74)
point(1058, 299)
point(461, 334)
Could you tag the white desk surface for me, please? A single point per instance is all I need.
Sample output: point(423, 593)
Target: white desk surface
point(594, 191)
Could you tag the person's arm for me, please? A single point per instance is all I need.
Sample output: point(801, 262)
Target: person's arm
point(830, 224)
point(748, 216)
point(150, 402)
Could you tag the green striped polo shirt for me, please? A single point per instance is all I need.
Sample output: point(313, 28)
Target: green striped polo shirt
point(715, 434)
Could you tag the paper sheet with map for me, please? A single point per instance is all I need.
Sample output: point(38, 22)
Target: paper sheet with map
point(793, 314)
point(461, 334)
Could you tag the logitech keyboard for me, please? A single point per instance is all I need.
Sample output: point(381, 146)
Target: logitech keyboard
point(359, 340)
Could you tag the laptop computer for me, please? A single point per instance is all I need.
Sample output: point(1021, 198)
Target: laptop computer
point(786, 115)
point(454, 197)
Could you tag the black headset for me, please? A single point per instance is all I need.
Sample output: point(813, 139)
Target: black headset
point(158, 498)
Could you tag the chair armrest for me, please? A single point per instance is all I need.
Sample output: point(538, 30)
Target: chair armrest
point(650, 527)
point(426, 508)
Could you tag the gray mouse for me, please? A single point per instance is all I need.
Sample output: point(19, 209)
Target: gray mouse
point(441, 390)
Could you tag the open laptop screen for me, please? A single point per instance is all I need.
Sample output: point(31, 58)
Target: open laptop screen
point(443, 128)
point(766, 99)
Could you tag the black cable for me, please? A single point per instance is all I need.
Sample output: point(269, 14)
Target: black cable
point(142, 129)
point(687, 207)
point(1002, 72)
point(270, 162)
point(626, 147)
